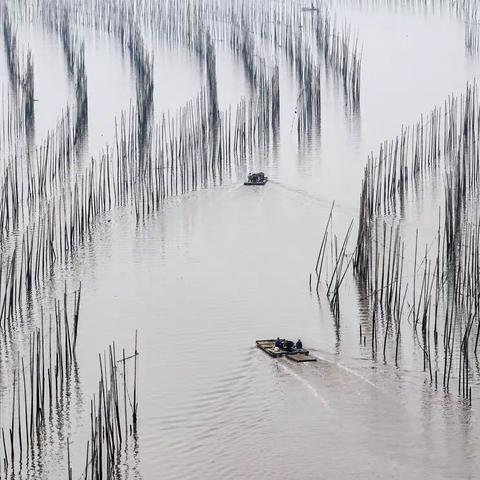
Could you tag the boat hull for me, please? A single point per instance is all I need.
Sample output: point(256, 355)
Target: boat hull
point(263, 182)
point(301, 355)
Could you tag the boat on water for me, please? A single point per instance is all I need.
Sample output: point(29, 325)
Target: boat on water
point(296, 355)
point(256, 179)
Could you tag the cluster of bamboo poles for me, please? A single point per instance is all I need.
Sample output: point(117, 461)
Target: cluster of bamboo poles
point(29, 179)
point(211, 72)
point(340, 262)
point(40, 386)
point(196, 146)
point(75, 59)
point(11, 124)
point(142, 62)
point(436, 293)
point(256, 32)
point(309, 107)
point(113, 416)
point(435, 289)
point(57, 210)
point(50, 209)
point(472, 36)
point(341, 53)
point(445, 141)
point(458, 9)
point(187, 152)
point(443, 300)
point(263, 82)
point(292, 27)
point(21, 72)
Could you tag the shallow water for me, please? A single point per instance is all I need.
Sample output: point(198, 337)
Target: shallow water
point(216, 269)
point(212, 404)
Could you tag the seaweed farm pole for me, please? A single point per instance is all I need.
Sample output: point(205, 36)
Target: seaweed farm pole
point(25, 406)
point(415, 272)
point(125, 395)
point(324, 238)
point(321, 253)
point(68, 459)
point(135, 385)
point(12, 446)
point(75, 316)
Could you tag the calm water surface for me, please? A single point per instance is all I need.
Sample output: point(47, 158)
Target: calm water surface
point(219, 268)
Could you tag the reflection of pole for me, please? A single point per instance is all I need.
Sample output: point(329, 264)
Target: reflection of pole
point(296, 109)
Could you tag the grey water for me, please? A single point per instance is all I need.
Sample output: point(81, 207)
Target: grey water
point(218, 268)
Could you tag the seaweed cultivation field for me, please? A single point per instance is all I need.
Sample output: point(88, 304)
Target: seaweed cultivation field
point(137, 271)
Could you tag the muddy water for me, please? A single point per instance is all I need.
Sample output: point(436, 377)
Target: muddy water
point(212, 404)
point(217, 269)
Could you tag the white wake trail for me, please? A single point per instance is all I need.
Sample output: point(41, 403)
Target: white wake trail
point(306, 384)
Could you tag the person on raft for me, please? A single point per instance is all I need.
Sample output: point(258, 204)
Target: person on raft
point(288, 345)
point(278, 344)
point(299, 345)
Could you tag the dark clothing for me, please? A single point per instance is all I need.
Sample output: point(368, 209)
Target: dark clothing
point(299, 345)
point(278, 343)
point(288, 346)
